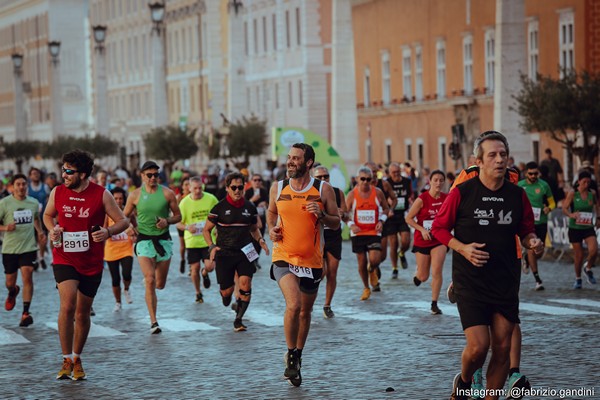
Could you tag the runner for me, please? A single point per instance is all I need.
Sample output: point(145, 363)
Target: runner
point(542, 202)
point(333, 243)
point(194, 211)
point(486, 213)
point(74, 217)
point(580, 206)
point(429, 252)
point(154, 246)
point(39, 191)
point(20, 218)
point(368, 212)
point(259, 197)
point(396, 224)
point(298, 209)
point(236, 221)
point(118, 251)
point(184, 190)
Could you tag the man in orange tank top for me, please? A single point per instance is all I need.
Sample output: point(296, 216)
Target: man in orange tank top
point(298, 209)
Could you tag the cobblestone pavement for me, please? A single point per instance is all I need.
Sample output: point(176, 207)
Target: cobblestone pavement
point(390, 340)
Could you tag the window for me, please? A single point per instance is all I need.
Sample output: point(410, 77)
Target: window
point(406, 73)
point(248, 101)
point(532, 49)
point(566, 42)
point(388, 151)
point(385, 77)
point(274, 32)
point(300, 100)
point(442, 154)
point(246, 49)
point(277, 96)
point(290, 95)
point(366, 88)
point(287, 28)
point(419, 73)
point(408, 149)
point(468, 64)
point(490, 60)
point(258, 107)
point(264, 26)
point(298, 31)
point(441, 68)
point(421, 152)
point(369, 150)
point(255, 32)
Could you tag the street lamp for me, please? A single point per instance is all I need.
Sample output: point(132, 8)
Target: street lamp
point(57, 117)
point(20, 121)
point(99, 36)
point(157, 13)
point(159, 78)
point(102, 122)
point(17, 60)
point(54, 49)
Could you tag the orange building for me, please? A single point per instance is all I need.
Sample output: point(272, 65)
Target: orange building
point(423, 66)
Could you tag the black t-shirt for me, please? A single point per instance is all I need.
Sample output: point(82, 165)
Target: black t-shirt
point(233, 225)
point(264, 196)
point(403, 190)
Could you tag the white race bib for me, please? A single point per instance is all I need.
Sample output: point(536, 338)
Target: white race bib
point(401, 205)
point(365, 216)
point(23, 217)
point(250, 252)
point(199, 228)
point(76, 242)
point(301, 272)
point(584, 218)
point(537, 212)
point(427, 224)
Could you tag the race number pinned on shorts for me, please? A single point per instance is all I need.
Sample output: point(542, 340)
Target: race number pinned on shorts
point(427, 224)
point(584, 218)
point(537, 212)
point(301, 272)
point(250, 252)
point(199, 228)
point(23, 217)
point(76, 242)
point(365, 216)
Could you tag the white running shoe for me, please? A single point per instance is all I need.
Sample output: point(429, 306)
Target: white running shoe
point(117, 307)
point(127, 296)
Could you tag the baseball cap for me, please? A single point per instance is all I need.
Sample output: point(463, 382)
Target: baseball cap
point(150, 165)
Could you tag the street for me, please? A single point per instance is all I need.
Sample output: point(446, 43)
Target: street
point(389, 341)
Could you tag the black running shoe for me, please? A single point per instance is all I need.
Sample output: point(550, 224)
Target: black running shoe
point(403, 261)
point(435, 310)
point(26, 320)
point(182, 266)
point(450, 293)
point(238, 326)
point(199, 298)
point(327, 313)
point(205, 279)
point(155, 329)
point(394, 274)
point(377, 288)
point(92, 312)
point(43, 264)
point(292, 365)
point(416, 281)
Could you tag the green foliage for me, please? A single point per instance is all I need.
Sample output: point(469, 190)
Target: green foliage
point(210, 145)
point(247, 138)
point(20, 151)
point(99, 146)
point(170, 144)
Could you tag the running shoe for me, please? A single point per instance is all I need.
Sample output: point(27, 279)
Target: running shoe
point(539, 286)
point(577, 284)
point(416, 281)
point(327, 312)
point(238, 326)
point(292, 364)
point(182, 266)
point(450, 293)
point(127, 296)
point(366, 294)
point(11, 299)
point(78, 373)
point(117, 307)
point(435, 310)
point(66, 370)
point(477, 384)
point(92, 312)
point(377, 288)
point(205, 279)
point(395, 273)
point(403, 261)
point(524, 263)
point(155, 329)
point(26, 320)
point(199, 298)
point(455, 395)
point(43, 264)
point(517, 383)
point(373, 277)
point(589, 276)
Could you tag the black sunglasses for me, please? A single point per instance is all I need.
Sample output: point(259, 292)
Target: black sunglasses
point(69, 171)
point(234, 188)
point(533, 173)
point(257, 180)
point(367, 179)
point(321, 177)
point(152, 174)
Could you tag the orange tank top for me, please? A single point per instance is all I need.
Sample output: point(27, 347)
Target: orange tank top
point(366, 212)
point(302, 242)
point(117, 246)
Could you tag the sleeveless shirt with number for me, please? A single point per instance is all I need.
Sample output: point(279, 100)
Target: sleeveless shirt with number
point(77, 213)
point(425, 218)
point(366, 212)
point(302, 242)
point(585, 207)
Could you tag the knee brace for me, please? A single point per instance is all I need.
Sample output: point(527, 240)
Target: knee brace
point(245, 293)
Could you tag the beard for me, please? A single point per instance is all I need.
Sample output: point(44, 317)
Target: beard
point(298, 172)
point(75, 183)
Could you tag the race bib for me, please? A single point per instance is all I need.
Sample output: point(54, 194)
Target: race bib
point(119, 237)
point(537, 212)
point(427, 224)
point(76, 242)
point(250, 252)
point(401, 205)
point(584, 218)
point(199, 228)
point(301, 272)
point(365, 216)
point(260, 211)
point(23, 217)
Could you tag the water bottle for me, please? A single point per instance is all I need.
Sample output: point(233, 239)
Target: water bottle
point(58, 242)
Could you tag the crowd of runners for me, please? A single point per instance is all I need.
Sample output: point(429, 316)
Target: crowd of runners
point(493, 216)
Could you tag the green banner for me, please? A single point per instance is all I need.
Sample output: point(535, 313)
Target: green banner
point(284, 137)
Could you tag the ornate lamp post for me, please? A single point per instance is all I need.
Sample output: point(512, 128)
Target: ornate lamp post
point(102, 122)
point(159, 87)
point(20, 122)
point(57, 117)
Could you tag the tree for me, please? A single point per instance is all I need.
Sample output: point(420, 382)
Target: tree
point(568, 109)
point(170, 144)
point(247, 138)
point(20, 151)
point(99, 146)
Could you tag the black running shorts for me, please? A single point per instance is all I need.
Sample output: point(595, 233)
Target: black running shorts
point(333, 243)
point(473, 313)
point(195, 255)
point(394, 225)
point(363, 244)
point(88, 284)
point(227, 265)
point(279, 269)
point(12, 262)
point(579, 235)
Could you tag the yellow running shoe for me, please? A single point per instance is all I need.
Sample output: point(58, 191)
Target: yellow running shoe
point(66, 370)
point(78, 373)
point(366, 294)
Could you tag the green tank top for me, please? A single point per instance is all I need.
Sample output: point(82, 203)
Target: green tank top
point(585, 207)
point(150, 206)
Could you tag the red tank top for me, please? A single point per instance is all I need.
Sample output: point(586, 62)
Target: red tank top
point(425, 218)
point(77, 214)
point(366, 213)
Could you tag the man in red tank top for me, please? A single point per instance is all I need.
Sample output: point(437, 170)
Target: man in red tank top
point(74, 218)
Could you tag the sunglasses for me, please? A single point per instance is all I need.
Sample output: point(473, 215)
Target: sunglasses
point(234, 188)
point(365, 179)
point(256, 180)
point(533, 173)
point(69, 171)
point(322, 177)
point(150, 175)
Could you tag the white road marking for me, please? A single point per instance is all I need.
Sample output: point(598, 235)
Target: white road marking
point(95, 330)
point(551, 310)
point(182, 325)
point(447, 309)
point(9, 337)
point(353, 313)
point(577, 302)
point(263, 317)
